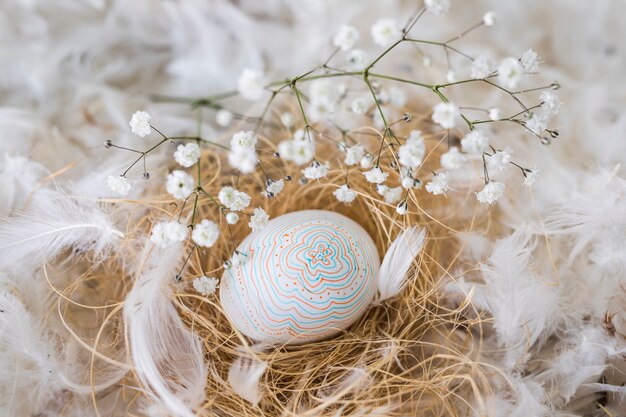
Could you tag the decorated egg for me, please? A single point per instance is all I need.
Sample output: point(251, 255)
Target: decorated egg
point(306, 276)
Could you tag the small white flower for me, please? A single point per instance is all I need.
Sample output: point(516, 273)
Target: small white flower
point(439, 184)
point(315, 171)
point(397, 97)
point(299, 150)
point(391, 195)
point(187, 155)
point(346, 38)
point(550, 103)
point(118, 184)
point(530, 61)
point(409, 182)
point(344, 194)
point(357, 59)
point(234, 200)
point(180, 184)
point(164, 233)
point(232, 218)
point(205, 233)
point(224, 118)
point(273, 187)
point(475, 142)
point(259, 219)
point(451, 76)
point(402, 208)
point(491, 193)
point(500, 159)
point(322, 90)
point(445, 114)
point(481, 67)
point(140, 123)
point(243, 141)
point(509, 72)
point(204, 285)
point(494, 113)
point(412, 152)
point(358, 106)
point(537, 123)
point(288, 119)
point(354, 154)
point(367, 161)
point(489, 19)
point(244, 161)
point(237, 260)
point(530, 176)
point(453, 159)
point(250, 84)
point(385, 32)
point(437, 7)
point(321, 109)
point(376, 175)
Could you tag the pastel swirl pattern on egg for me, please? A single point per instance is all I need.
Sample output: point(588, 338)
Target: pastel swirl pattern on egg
point(308, 275)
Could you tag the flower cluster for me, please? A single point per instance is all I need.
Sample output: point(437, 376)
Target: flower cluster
point(326, 106)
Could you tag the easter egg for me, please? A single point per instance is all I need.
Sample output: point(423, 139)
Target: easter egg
point(306, 276)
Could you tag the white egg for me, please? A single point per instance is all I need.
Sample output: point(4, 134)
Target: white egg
point(307, 275)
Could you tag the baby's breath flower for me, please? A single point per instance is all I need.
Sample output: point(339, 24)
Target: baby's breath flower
point(530, 176)
point(237, 260)
point(453, 159)
point(288, 119)
point(489, 19)
point(205, 233)
point(439, 184)
point(118, 184)
point(385, 32)
point(344, 194)
point(315, 171)
point(243, 141)
point(367, 161)
point(357, 59)
point(530, 61)
point(411, 153)
point(396, 96)
point(232, 218)
point(259, 219)
point(481, 67)
point(537, 123)
point(494, 113)
point(354, 154)
point(204, 285)
point(243, 160)
point(358, 106)
point(402, 208)
point(250, 84)
point(500, 159)
point(140, 123)
point(550, 103)
point(179, 184)
point(376, 175)
point(509, 72)
point(346, 38)
point(475, 142)
point(437, 7)
point(233, 199)
point(445, 114)
point(451, 76)
point(273, 187)
point(391, 195)
point(187, 155)
point(298, 150)
point(409, 182)
point(492, 191)
point(164, 233)
point(224, 118)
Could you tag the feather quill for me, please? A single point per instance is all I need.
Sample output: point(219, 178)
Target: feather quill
point(244, 376)
point(392, 275)
point(167, 356)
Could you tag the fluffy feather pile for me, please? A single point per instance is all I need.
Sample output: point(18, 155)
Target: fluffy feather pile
point(547, 279)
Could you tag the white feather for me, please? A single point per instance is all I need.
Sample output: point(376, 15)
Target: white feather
point(167, 356)
point(244, 376)
point(392, 276)
point(521, 303)
point(54, 223)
